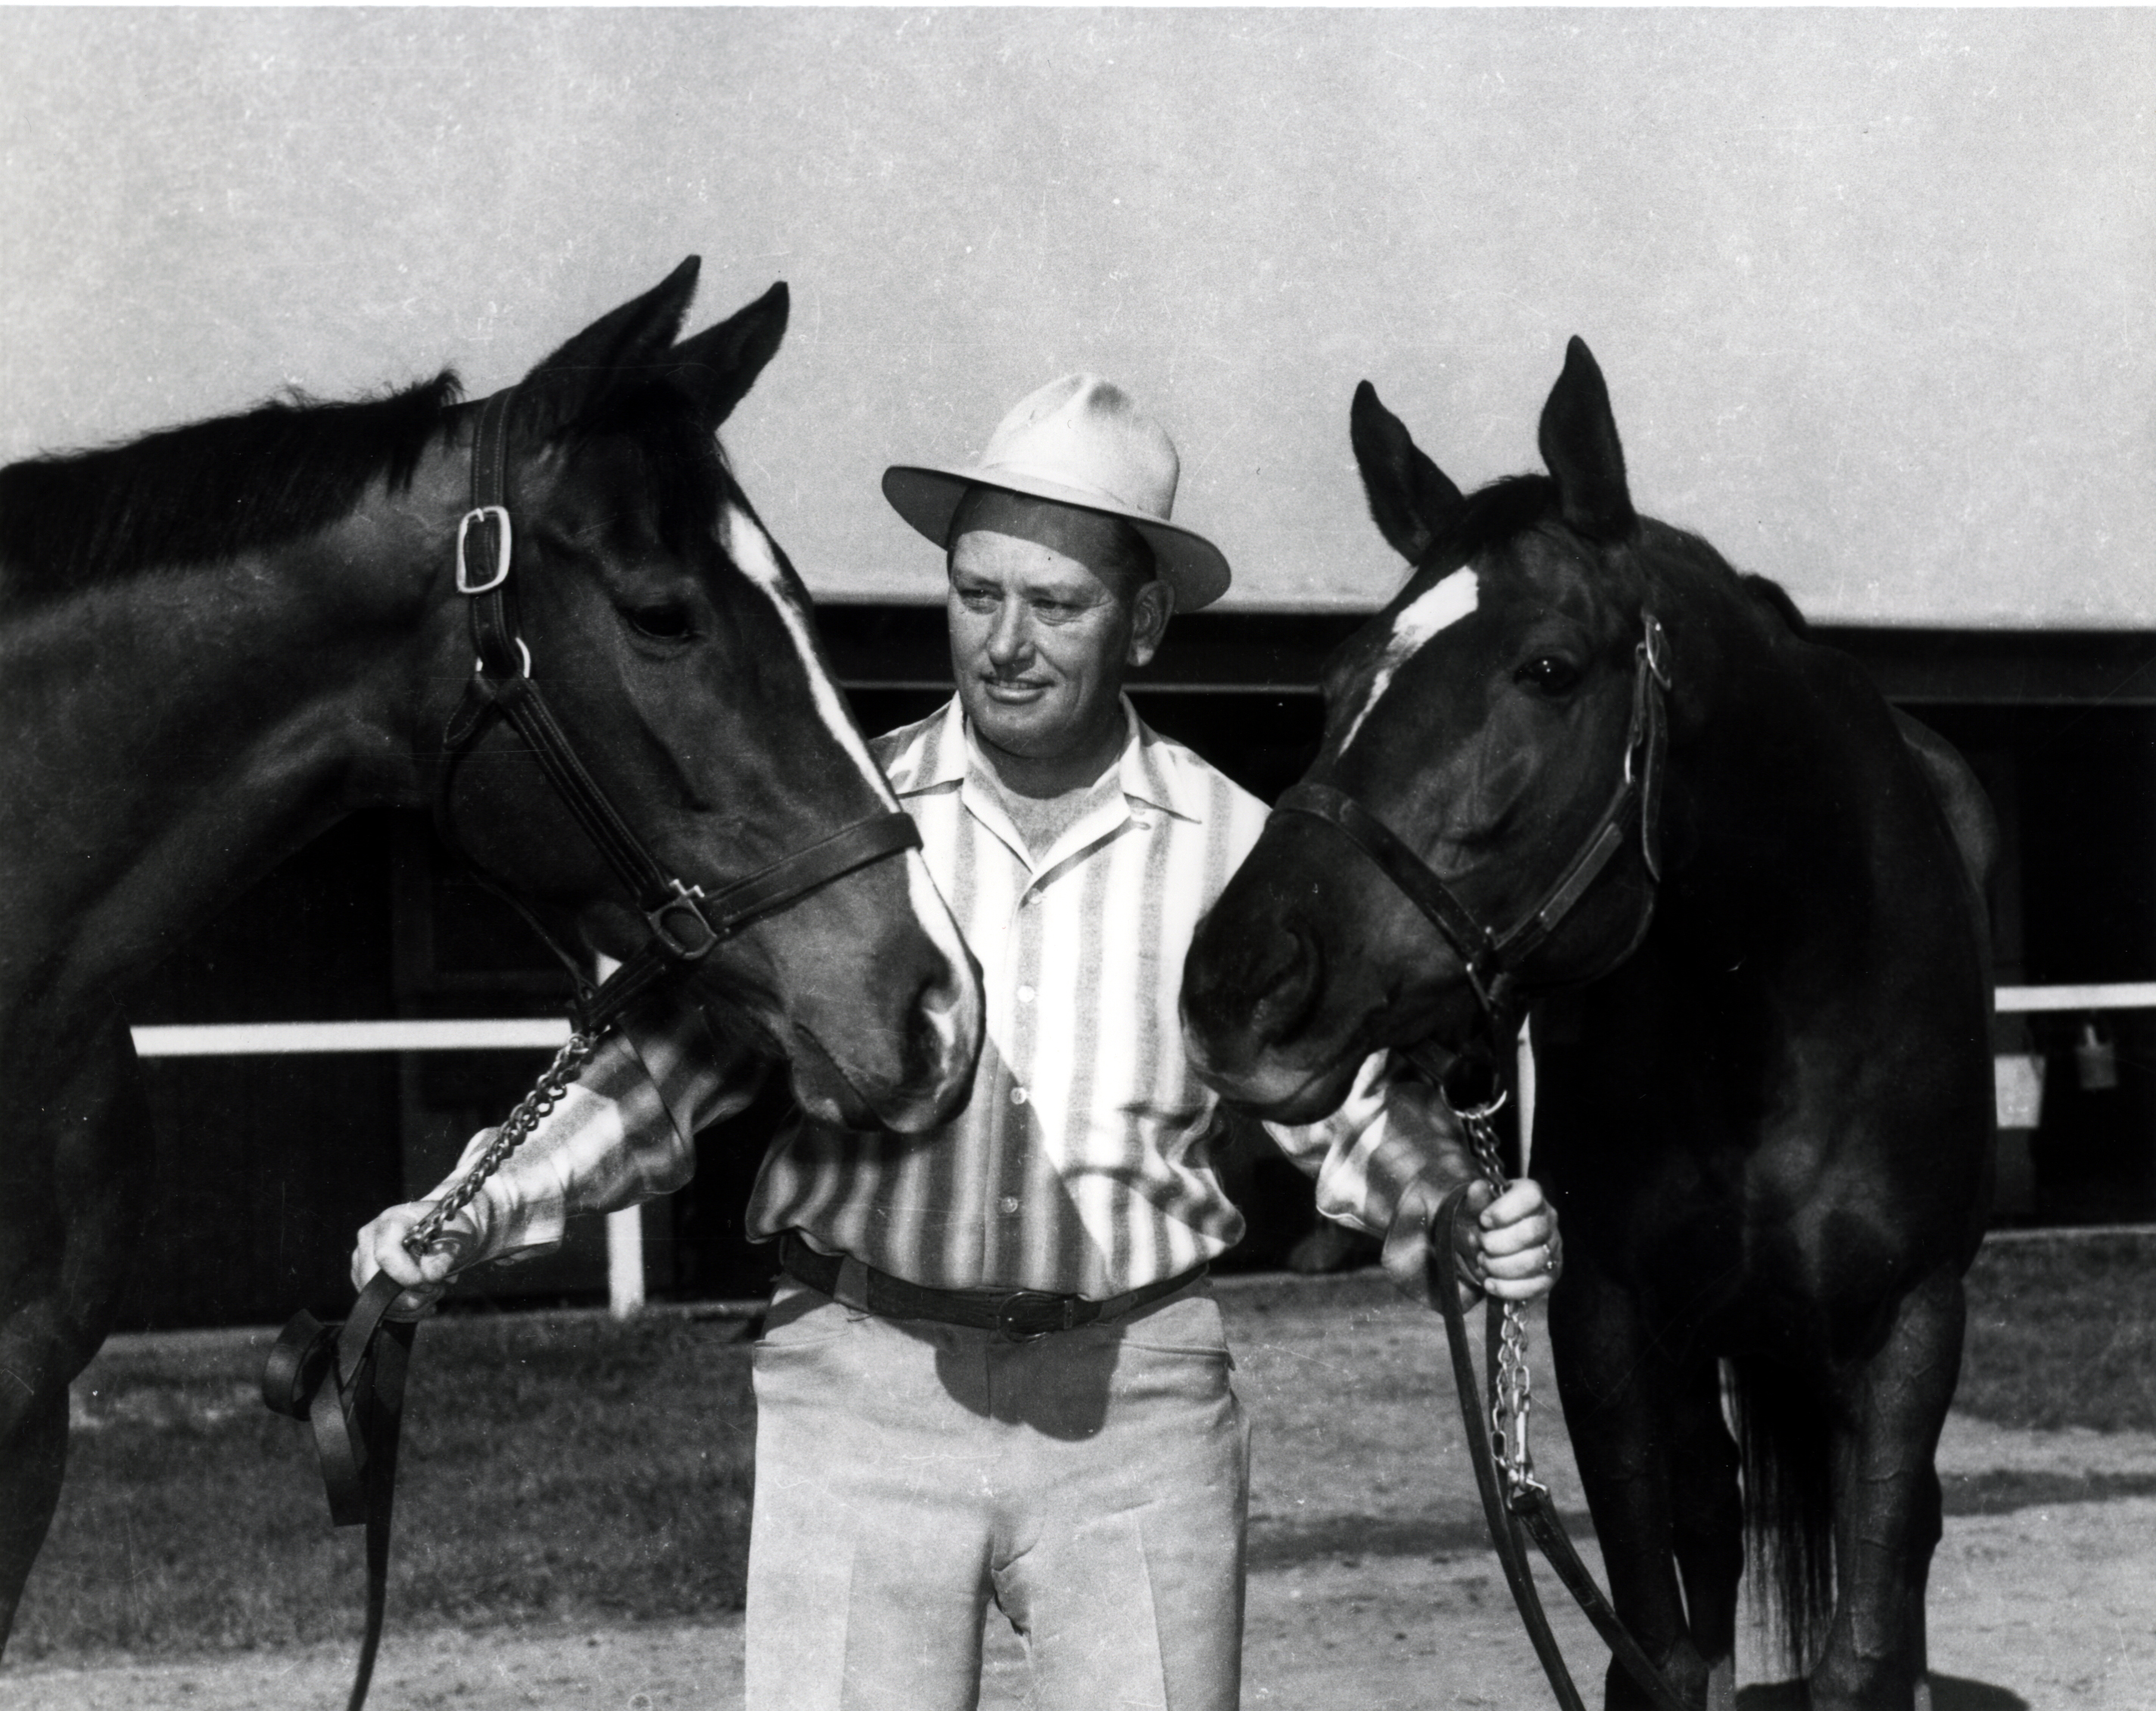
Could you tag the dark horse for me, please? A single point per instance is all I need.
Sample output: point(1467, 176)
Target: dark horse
point(1759, 1015)
point(216, 642)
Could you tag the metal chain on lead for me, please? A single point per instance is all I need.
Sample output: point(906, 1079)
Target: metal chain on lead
point(548, 1092)
point(1512, 1397)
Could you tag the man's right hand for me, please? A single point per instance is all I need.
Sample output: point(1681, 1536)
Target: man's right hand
point(381, 1248)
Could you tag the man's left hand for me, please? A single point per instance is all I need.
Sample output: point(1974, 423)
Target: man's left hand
point(1509, 1246)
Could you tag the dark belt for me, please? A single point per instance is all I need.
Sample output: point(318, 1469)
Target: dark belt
point(1015, 1315)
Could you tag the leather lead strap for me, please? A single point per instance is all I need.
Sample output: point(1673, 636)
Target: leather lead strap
point(1503, 1535)
point(348, 1383)
point(1530, 1510)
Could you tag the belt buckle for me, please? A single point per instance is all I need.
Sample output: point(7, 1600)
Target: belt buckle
point(1008, 1333)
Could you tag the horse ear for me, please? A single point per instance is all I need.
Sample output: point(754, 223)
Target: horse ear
point(635, 336)
point(1411, 499)
point(721, 363)
point(1579, 445)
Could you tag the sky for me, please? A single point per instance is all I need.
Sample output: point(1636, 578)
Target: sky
point(1873, 289)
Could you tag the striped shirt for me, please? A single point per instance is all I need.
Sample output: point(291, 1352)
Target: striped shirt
point(1079, 1163)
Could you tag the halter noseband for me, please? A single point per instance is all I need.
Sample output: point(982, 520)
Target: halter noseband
point(686, 921)
point(1492, 958)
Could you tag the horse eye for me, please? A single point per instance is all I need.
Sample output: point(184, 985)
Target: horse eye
point(667, 622)
point(1549, 674)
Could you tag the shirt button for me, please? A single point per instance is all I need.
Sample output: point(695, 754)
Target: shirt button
point(1018, 1096)
point(1009, 1203)
point(1026, 994)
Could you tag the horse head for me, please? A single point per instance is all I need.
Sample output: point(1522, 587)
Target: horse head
point(673, 644)
point(1490, 720)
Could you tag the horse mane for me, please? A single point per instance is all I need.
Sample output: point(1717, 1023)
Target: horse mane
point(1666, 542)
point(1776, 598)
point(1509, 506)
point(209, 490)
point(1494, 514)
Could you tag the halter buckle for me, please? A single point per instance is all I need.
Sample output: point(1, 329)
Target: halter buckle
point(1655, 650)
point(681, 925)
point(523, 659)
point(498, 515)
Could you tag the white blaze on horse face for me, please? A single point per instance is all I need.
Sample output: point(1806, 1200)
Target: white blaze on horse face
point(752, 551)
point(753, 554)
point(1437, 607)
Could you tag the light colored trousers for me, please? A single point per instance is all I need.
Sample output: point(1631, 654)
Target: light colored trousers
point(1093, 1484)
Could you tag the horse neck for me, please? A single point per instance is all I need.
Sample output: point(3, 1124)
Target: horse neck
point(179, 734)
point(1768, 760)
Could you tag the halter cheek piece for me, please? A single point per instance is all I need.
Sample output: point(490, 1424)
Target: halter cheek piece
point(1493, 958)
point(348, 1381)
point(1517, 1505)
point(686, 921)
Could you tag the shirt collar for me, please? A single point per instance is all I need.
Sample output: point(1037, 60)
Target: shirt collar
point(1150, 771)
point(937, 756)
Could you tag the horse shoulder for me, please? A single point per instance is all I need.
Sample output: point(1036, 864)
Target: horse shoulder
point(1949, 779)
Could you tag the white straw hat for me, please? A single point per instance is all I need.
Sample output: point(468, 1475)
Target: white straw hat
point(1082, 441)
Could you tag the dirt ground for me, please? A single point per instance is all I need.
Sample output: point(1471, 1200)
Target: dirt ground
point(1370, 1586)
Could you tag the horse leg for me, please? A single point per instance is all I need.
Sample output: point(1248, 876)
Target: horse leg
point(1707, 1523)
point(1614, 1392)
point(73, 1189)
point(1929, 1525)
point(1886, 1502)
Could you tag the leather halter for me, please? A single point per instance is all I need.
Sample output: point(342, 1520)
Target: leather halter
point(1518, 1508)
point(686, 921)
point(1492, 957)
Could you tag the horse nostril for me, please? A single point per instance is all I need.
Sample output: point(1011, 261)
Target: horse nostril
point(924, 1034)
point(1284, 985)
point(931, 1023)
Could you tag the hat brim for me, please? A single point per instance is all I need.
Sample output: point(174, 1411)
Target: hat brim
point(928, 498)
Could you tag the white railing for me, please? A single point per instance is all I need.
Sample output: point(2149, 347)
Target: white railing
point(546, 1033)
point(2119, 996)
point(625, 1230)
point(279, 1039)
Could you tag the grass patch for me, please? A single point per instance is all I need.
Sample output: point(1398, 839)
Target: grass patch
point(564, 1468)
point(553, 1468)
point(2063, 1333)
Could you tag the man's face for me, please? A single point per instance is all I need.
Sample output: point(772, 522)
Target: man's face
point(1040, 638)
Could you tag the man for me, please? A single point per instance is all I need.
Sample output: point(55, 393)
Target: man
point(992, 1369)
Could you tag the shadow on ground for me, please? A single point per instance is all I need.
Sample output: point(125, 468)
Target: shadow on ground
point(1949, 1692)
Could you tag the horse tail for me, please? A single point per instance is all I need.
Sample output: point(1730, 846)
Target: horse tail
point(1784, 1440)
